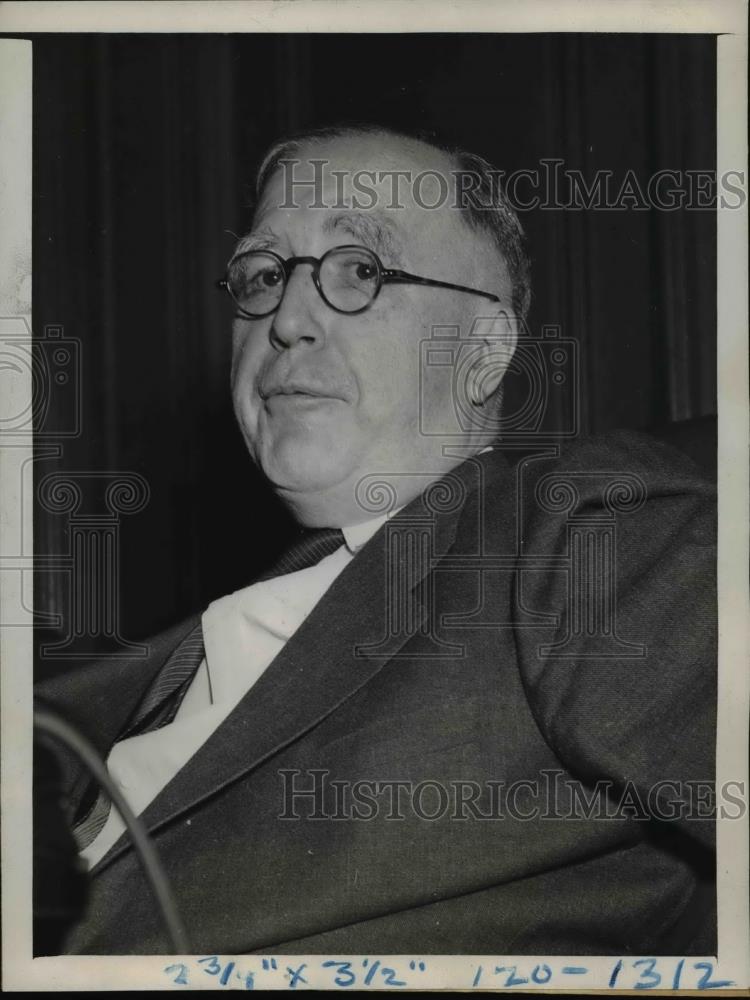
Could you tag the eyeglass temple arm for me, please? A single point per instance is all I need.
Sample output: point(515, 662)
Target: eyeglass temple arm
point(390, 275)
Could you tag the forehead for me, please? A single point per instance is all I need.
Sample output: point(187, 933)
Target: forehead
point(383, 189)
point(377, 151)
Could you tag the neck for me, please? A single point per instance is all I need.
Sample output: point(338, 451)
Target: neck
point(363, 497)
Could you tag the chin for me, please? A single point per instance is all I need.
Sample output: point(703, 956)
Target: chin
point(296, 466)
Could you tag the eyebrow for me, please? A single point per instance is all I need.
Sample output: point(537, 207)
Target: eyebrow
point(372, 229)
point(260, 239)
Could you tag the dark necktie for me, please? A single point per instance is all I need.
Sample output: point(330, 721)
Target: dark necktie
point(308, 548)
point(163, 699)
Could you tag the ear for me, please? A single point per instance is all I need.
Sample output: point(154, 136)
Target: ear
point(494, 339)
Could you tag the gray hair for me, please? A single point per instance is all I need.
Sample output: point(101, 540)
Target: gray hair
point(485, 209)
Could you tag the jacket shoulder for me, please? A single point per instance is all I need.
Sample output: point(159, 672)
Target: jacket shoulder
point(617, 561)
point(630, 451)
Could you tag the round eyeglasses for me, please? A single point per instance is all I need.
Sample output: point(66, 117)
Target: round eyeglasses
point(348, 279)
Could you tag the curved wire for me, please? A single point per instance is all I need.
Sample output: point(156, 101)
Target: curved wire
point(52, 725)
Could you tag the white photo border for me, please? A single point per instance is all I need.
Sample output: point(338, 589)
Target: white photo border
point(725, 18)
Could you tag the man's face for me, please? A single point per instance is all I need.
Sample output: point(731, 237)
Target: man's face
point(324, 399)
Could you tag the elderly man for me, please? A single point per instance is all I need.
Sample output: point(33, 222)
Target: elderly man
point(468, 711)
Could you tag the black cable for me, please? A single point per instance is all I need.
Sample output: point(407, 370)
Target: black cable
point(52, 725)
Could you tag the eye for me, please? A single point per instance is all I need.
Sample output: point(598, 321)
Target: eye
point(271, 277)
point(365, 271)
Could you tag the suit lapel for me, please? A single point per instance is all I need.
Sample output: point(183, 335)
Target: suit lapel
point(344, 642)
point(99, 698)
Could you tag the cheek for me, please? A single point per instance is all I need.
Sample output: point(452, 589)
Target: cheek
point(388, 369)
point(247, 358)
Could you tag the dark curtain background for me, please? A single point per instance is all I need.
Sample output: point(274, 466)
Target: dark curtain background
point(144, 154)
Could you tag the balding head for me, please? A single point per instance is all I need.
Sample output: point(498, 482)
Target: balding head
point(470, 187)
point(332, 378)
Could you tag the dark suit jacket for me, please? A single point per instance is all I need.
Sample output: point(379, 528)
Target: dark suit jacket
point(453, 683)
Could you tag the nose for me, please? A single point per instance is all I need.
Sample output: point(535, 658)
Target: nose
point(299, 318)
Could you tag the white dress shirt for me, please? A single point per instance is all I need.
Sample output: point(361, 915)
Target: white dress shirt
point(242, 633)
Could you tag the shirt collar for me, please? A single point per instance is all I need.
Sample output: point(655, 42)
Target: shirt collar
point(356, 535)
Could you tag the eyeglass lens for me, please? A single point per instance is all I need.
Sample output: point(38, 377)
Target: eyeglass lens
point(349, 279)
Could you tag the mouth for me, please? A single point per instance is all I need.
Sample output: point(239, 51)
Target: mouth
point(297, 392)
point(298, 400)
